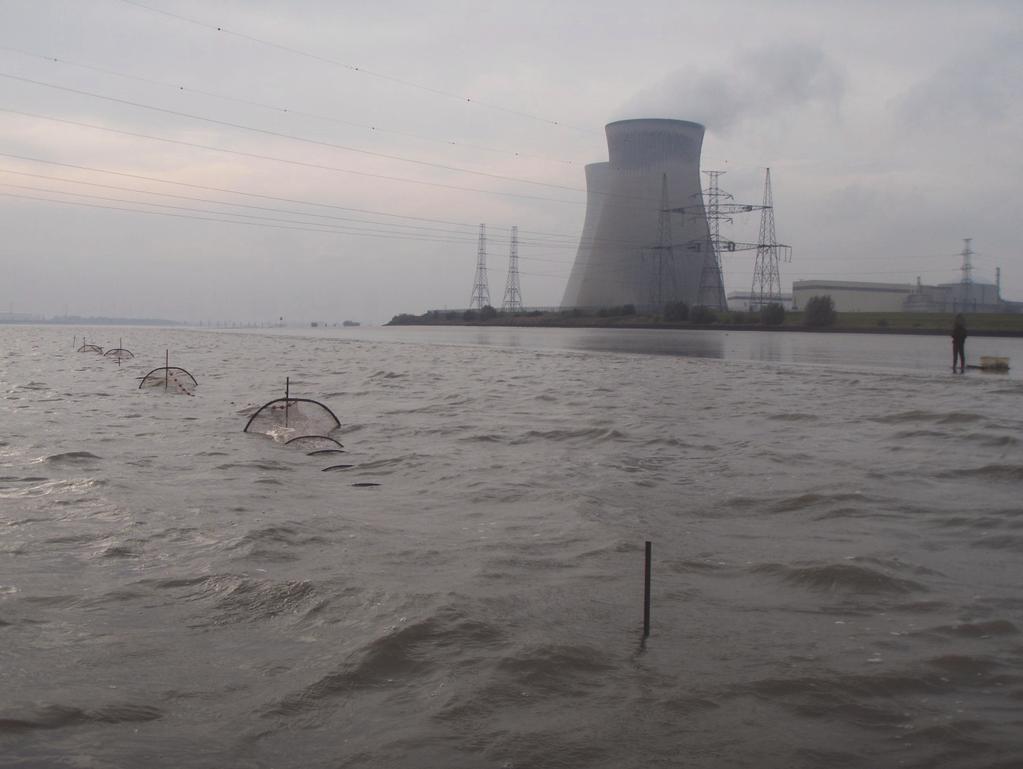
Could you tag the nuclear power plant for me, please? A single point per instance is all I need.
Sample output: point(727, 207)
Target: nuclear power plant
point(632, 249)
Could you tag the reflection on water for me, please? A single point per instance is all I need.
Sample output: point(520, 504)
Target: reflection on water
point(898, 351)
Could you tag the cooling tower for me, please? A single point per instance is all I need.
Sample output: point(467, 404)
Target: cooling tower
point(629, 252)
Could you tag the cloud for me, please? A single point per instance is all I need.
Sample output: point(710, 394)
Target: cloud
point(981, 87)
point(755, 85)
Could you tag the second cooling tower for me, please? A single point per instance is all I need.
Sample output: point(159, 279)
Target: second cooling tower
point(631, 250)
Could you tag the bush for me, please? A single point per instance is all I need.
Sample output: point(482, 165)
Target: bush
point(676, 311)
point(819, 312)
point(470, 315)
point(405, 319)
point(702, 316)
point(772, 314)
point(488, 312)
point(614, 312)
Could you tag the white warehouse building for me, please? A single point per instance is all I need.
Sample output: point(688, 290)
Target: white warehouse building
point(855, 296)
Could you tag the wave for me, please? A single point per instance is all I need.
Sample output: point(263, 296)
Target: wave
point(995, 627)
point(967, 668)
point(811, 500)
point(993, 472)
point(918, 415)
point(1012, 542)
point(591, 434)
point(60, 716)
point(840, 577)
point(239, 599)
point(793, 417)
point(274, 543)
point(256, 465)
point(71, 458)
point(396, 659)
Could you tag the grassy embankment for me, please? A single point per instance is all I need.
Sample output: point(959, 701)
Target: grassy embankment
point(1008, 324)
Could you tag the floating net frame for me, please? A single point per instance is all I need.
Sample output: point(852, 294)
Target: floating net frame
point(315, 442)
point(90, 348)
point(119, 353)
point(306, 414)
point(325, 452)
point(170, 378)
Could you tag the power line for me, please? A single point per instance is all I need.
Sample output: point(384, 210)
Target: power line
point(357, 69)
point(285, 110)
point(538, 236)
point(287, 161)
point(292, 137)
point(428, 231)
point(323, 229)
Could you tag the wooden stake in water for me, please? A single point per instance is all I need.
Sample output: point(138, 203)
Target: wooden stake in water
point(166, 369)
point(287, 398)
point(646, 594)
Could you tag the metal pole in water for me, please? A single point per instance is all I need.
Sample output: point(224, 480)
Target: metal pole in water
point(646, 594)
point(166, 369)
point(287, 398)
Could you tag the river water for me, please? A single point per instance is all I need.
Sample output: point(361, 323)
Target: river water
point(836, 522)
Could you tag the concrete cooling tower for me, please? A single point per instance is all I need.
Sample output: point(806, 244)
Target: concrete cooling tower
point(631, 251)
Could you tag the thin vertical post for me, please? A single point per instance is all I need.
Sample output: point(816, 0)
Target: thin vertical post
point(287, 398)
point(166, 369)
point(646, 594)
point(74, 344)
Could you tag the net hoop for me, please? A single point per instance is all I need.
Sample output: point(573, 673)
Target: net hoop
point(317, 437)
point(288, 402)
point(169, 370)
point(91, 348)
point(120, 352)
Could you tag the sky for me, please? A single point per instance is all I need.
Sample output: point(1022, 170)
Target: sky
point(247, 160)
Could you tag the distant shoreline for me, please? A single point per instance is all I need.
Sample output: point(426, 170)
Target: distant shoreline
point(869, 323)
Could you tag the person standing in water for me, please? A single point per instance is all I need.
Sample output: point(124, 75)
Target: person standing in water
point(959, 343)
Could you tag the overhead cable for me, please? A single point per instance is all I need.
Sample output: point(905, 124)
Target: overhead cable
point(285, 110)
point(357, 69)
point(292, 137)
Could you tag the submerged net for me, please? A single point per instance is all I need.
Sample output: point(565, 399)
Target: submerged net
point(314, 442)
point(288, 418)
point(169, 379)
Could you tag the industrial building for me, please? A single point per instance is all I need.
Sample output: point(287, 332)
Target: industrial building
point(744, 301)
point(852, 296)
point(967, 295)
point(632, 251)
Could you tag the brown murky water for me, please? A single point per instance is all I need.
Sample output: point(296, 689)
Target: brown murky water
point(836, 521)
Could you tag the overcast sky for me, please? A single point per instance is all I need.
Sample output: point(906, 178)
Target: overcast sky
point(329, 160)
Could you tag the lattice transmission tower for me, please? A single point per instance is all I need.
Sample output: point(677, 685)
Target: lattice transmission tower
point(967, 268)
point(512, 290)
point(716, 208)
point(662, 283)
point(766, 275)
point(480, 288)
